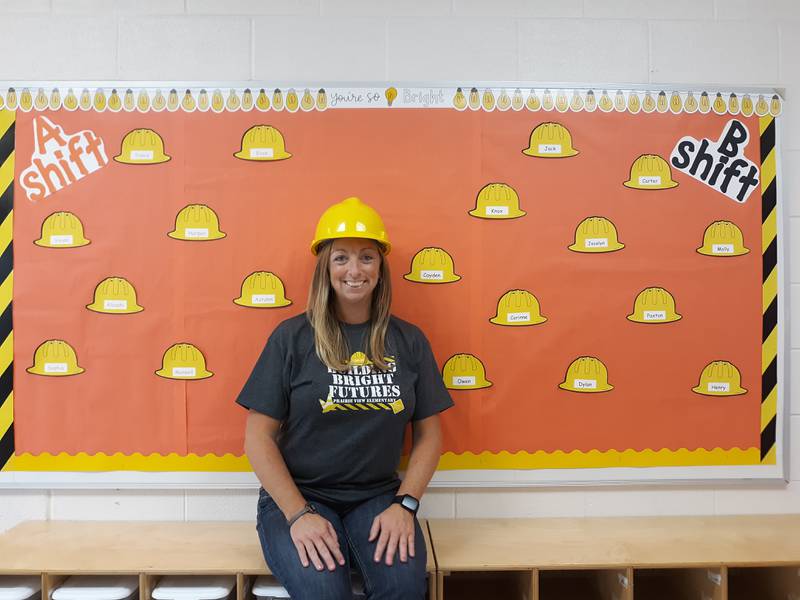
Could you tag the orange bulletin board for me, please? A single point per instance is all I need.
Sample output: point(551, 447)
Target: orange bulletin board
point(597, 272)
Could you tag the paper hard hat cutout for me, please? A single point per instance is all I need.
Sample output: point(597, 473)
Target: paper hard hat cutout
point(550, 140)
point(654, 305)
point(196, 223)
point(432, 265)
point(262, 289)
point(720, 378)
point(518, 308)
point(586, 374)
point(55, 358)
point(183, 361)
point(650, 172)
point(595, 235)
point(62, 230)
point(497, 201)
point(723, 238)
point(263, 143)
point(142, 147)
point(464, 372)
point(115, 296)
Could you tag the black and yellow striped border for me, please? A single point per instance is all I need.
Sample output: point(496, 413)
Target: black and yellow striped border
point(769, 250)
point(7, 118)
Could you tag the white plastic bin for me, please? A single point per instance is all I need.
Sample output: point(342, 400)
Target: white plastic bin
point(97, 587)
point(20, 587)
point(267, 587)
point(195, 587)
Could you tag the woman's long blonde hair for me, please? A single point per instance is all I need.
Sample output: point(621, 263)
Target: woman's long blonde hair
point(329, 340)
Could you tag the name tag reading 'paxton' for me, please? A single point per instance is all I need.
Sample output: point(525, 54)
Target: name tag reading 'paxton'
point(719, 164)
point(654, 315)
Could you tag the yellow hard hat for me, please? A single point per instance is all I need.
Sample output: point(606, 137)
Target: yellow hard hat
point(497, 201)
point(62, 230)
point(55, 358)
point(351, 218)
point(720, 378)
point(723, 238)
point(586, 374)
point(359, 359)
point(262, 289)
point(183, 361)
point(115, 296)
point(550, 140)
point(464, 372)
point(196, 223)
point(594, 235)
point(142, 147)
point(650, 172)
point(654, 305)
point(432, 265)
point(518, 308)
point(262, 142)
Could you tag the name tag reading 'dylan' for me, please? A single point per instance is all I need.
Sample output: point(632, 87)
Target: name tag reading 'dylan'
point(585, 384)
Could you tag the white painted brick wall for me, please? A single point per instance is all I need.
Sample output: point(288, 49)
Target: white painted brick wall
point(642, 41)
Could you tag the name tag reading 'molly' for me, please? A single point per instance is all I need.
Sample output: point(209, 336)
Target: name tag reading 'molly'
point(549, 148)
point(115, 305)
point(584, 384)
point(650, 180)
point(464, 380)
point(434, 275)
point(61, 240)
point(55, 367)
point(262, 299)
point(714, 386)
point(198, 233)
point(496, 210)
point(262, 153)
point(595, 243)
point(722, 248)
point(141, 155)
point(183, 371)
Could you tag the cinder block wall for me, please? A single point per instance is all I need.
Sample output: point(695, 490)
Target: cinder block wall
point(736, 42)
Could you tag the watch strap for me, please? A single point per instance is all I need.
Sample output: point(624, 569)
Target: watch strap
point(308, 508)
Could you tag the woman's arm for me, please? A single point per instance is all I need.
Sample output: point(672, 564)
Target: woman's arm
point(313, 536)
point(396, 525)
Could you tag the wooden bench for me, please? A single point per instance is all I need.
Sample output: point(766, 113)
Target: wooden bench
point(55, 550)
point(647, 558)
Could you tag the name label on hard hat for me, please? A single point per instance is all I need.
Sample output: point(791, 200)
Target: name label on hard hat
point(262, 299)
point(184, 372)
point(61, 240)
point(437, 275)
point(722, 248)
point(464, 380)
point(719, 386)
point(55, 367)
point(595, 243)
point(115, 304)
point(655, 315)
point(518, 317)
point(549, 148)
point(262, 152)
point(496, 210)
point(650, 180)
point(585, 384)
point(141, 155)
point(195, 232)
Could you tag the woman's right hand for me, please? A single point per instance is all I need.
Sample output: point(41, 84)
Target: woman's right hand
point(315, 539)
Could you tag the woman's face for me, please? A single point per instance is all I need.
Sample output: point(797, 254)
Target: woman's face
point(354, 268)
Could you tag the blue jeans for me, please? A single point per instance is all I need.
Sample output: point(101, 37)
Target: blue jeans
point(401, 581)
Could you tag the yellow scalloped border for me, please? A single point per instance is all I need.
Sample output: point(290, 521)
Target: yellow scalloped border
point(448, 462)
point(117, 99)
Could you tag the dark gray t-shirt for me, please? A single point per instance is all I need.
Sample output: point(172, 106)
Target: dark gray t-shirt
point(342, 433)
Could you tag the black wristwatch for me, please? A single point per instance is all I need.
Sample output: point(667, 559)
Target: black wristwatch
point(408, 502)
point(308, 508)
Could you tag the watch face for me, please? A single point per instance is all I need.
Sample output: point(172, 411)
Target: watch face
point(410, 503)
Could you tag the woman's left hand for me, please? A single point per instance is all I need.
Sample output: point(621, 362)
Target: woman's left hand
point(394, 529)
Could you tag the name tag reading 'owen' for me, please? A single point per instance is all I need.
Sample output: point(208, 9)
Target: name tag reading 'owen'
point(464, 380)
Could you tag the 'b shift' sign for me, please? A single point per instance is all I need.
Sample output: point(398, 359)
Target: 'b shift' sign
point(720, 164)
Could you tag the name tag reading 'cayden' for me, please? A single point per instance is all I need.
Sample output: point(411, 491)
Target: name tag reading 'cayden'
point(435, 275)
